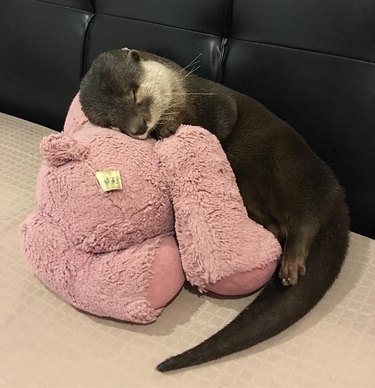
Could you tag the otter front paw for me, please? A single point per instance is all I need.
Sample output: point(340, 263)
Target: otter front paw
point(164, 132)
point(291, 269)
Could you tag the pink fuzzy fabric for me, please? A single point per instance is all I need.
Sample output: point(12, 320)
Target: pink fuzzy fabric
point(215, 235)
point(113, 253)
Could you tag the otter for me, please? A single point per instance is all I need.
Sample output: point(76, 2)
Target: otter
point(285, 186)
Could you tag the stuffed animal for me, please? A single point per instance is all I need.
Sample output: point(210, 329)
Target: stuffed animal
point(121, 223)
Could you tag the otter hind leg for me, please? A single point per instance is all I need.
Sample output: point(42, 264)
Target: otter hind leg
point(296, 250)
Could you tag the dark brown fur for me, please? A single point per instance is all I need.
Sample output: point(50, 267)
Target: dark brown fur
point(285, 186)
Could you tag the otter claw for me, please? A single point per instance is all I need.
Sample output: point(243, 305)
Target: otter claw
point(291, 270)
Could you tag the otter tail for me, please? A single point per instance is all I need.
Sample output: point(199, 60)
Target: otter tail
point(277, 307)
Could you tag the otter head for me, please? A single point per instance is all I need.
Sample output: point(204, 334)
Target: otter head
point(125, 91)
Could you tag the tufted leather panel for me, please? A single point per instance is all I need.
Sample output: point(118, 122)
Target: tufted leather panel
point(109, 32)
point(40, 72)
point(182, 30)
point(342, 27)
point(209, 16)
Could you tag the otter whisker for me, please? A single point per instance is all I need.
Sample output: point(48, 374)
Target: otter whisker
point(167, 117)
point(189, 94)
point(191, 63)
point(193, 70)
point(156, 79)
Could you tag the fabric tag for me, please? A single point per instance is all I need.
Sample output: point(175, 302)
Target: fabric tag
point(109, 180)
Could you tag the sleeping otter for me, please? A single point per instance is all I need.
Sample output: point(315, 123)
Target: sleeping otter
point(285, 186)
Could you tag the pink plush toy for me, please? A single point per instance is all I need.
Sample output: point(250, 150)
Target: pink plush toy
point(120, 223)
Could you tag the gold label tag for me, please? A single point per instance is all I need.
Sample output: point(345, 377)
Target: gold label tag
point(109, 180)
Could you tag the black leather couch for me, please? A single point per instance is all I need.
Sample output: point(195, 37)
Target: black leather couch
point(311, 62)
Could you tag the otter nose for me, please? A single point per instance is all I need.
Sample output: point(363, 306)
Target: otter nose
point(140, 130)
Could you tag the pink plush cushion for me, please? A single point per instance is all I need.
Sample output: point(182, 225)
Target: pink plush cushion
point(113, 253)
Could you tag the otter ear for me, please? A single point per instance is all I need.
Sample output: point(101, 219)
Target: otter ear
point(135, 55)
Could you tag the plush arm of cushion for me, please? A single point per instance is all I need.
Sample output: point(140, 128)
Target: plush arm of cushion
point(217, 240)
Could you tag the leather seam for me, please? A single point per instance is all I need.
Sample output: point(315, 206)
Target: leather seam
point(301, 49)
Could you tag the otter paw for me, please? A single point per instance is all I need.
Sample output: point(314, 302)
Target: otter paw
point(165, 132)
point(291, 269)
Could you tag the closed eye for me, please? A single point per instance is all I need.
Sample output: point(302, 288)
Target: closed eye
point(134, 93)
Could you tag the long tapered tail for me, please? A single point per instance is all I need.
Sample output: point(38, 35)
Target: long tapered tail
point(276, 308)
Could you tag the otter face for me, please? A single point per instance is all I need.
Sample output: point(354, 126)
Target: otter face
point(124, 91)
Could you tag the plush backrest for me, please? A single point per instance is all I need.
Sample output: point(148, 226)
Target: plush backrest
point(311, 62)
